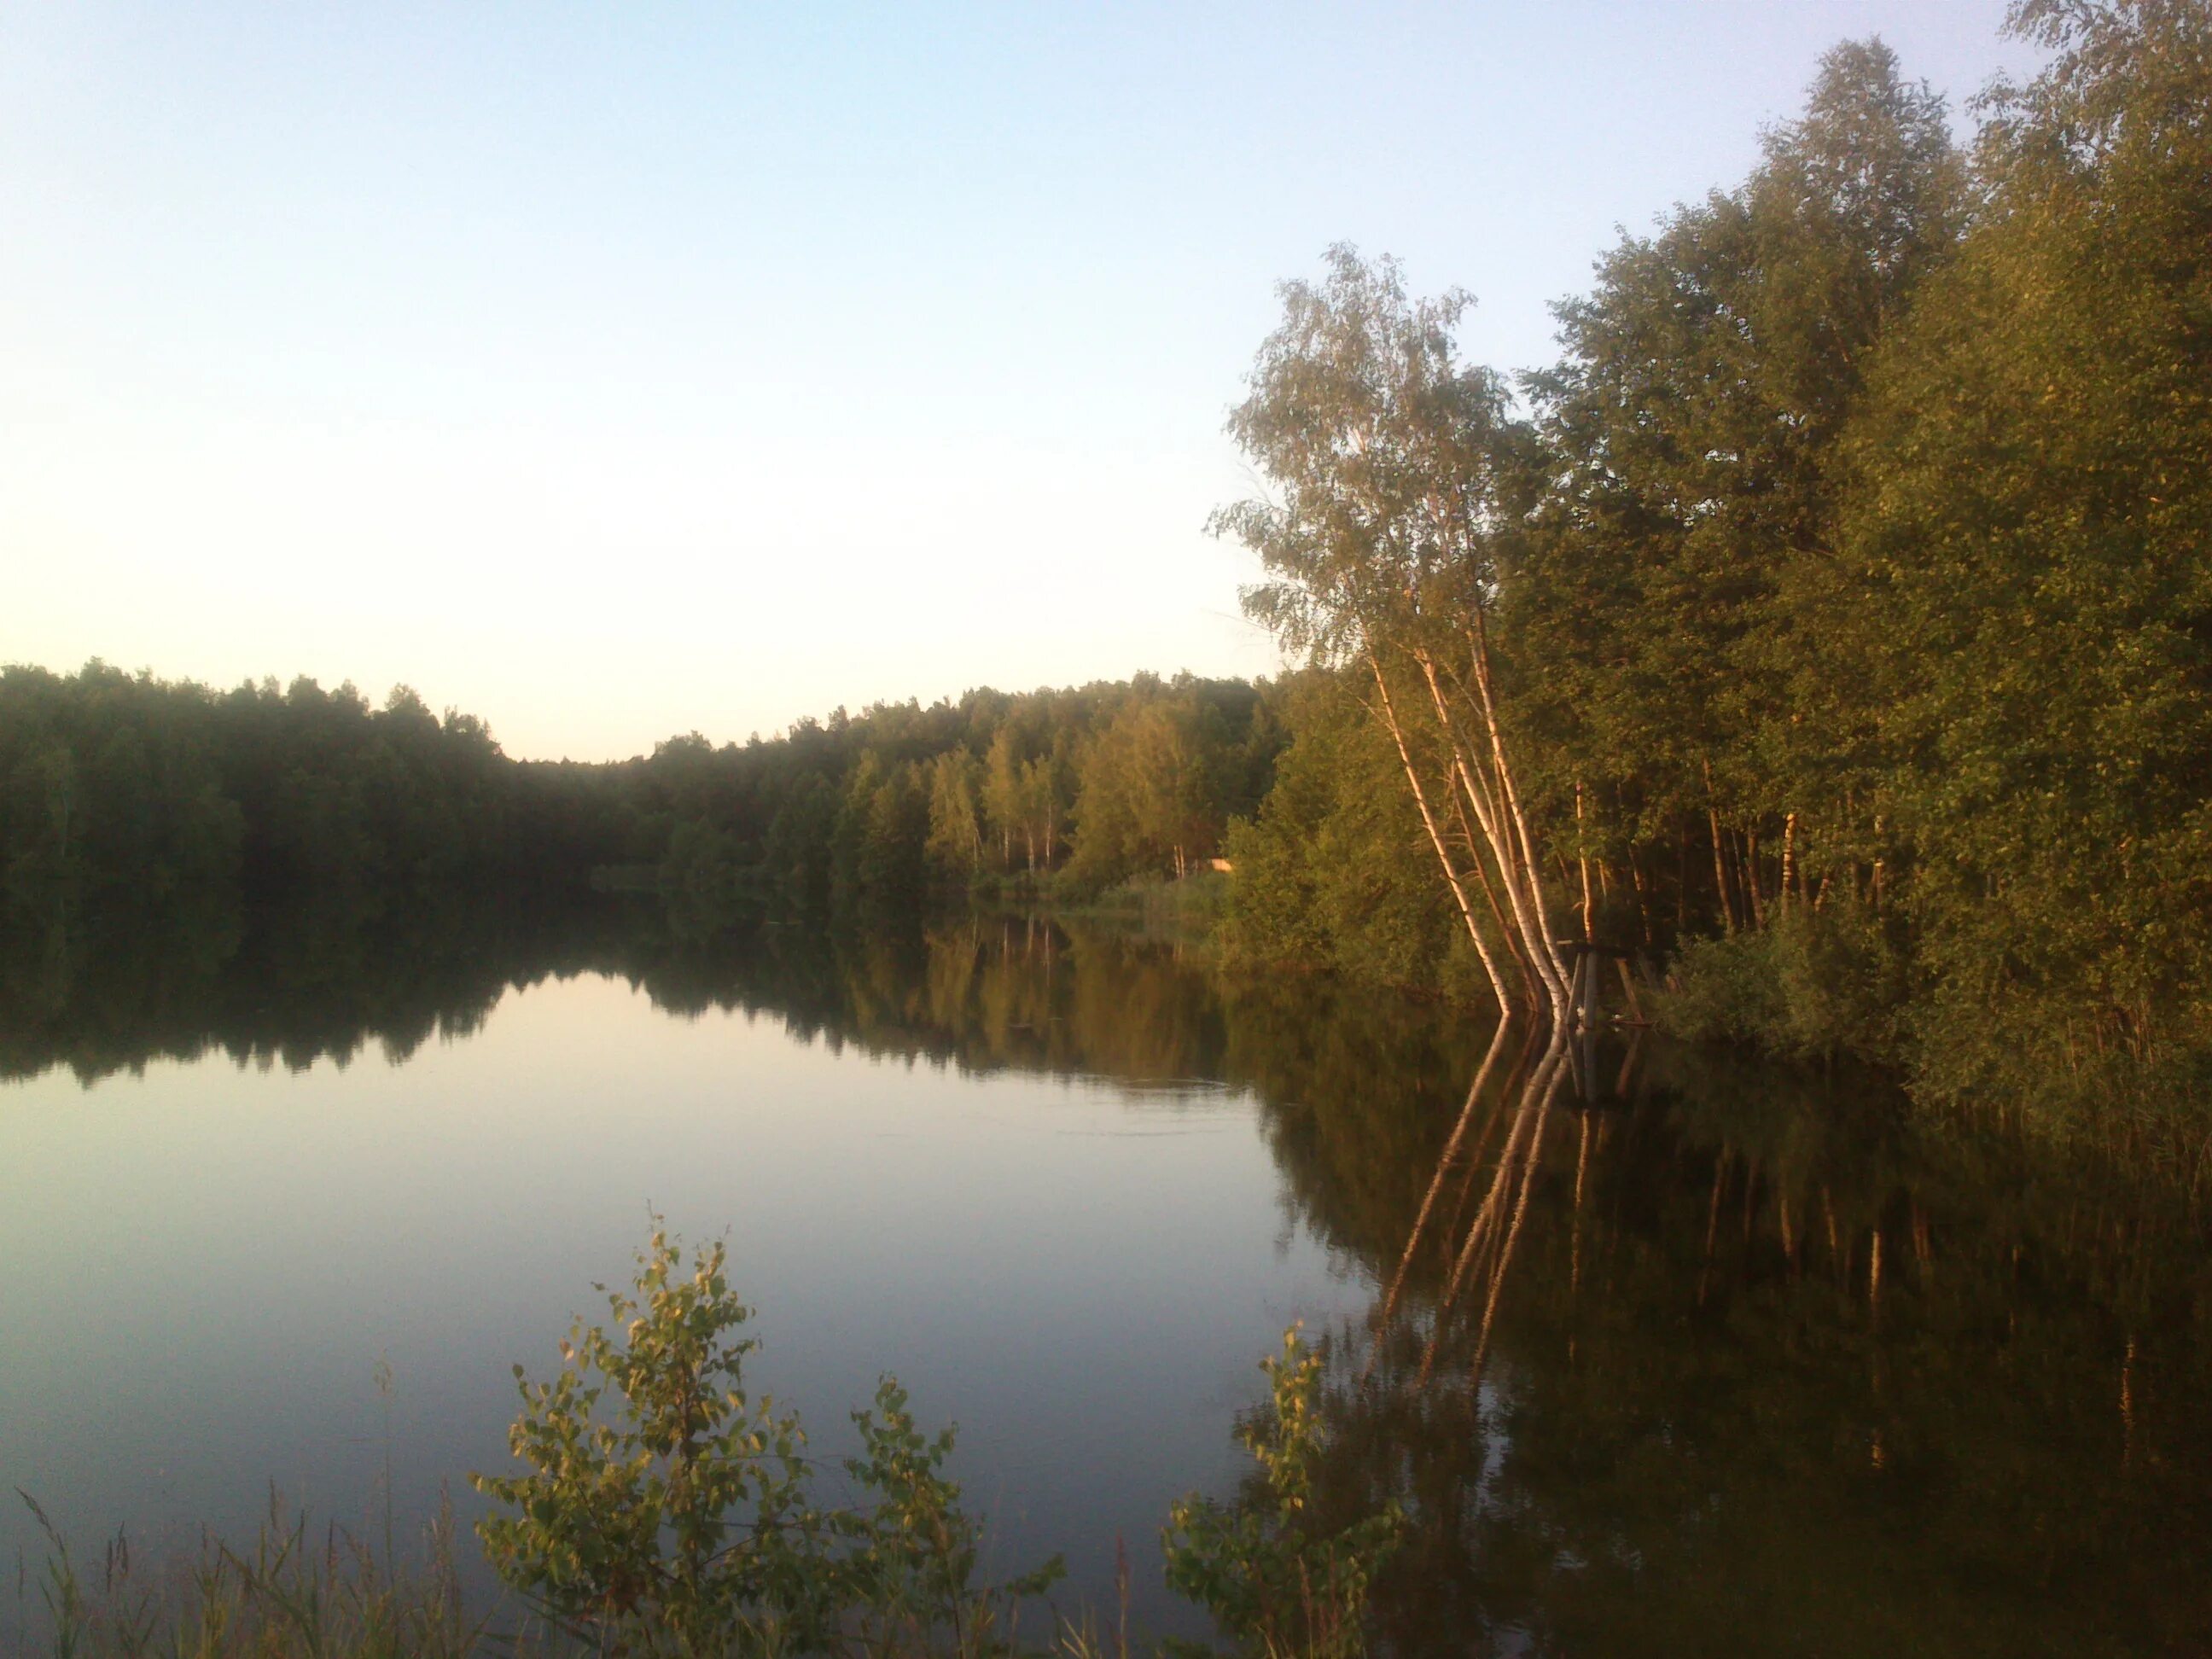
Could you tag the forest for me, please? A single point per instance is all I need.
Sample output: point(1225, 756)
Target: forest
point(1833, 614)
point(1832, 620)
point(123, 784)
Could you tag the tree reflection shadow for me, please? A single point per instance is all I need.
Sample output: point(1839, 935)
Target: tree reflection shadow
point(1742, 1360)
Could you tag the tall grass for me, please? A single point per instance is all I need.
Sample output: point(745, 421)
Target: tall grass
point(1188, 908)
point(291, 1592)
point(296, 1593)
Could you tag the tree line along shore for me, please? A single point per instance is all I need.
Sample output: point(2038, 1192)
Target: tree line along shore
point(1832, 618)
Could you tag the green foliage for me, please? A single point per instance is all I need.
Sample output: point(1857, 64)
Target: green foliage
point(115, 782)
point(2025, 584)
point(666, 1510)
point(1333, 872)
point(1879, 536)
point(153, 788)
point(628, 1516)
point(909, 1572)
point(1269, 1576)
point(1692, 426)
point(1149, 796)
point(1809, 986)
point(956, 846)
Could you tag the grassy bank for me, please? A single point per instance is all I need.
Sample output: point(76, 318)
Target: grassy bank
point(1815, 987)
point(1189, 909)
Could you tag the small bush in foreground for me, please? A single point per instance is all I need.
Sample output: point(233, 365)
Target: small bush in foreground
point(1259, 1567)
point(667, 1511)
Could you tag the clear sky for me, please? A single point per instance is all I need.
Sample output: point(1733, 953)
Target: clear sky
point(614, 371)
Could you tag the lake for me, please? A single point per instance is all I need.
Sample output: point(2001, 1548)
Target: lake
point(1664, 1350)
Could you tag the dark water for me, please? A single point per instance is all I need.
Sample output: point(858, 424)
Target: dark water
point(1664, 1354)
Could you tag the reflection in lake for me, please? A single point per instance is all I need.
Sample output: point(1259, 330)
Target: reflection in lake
point(1737, 1363)
point(1664, 1353)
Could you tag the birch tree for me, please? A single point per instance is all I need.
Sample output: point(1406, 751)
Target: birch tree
point(1385, 546)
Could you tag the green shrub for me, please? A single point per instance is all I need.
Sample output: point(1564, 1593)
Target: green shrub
point(325, 1593)
point(1812, 984)
point(667, 1511)
point(1260, 1566)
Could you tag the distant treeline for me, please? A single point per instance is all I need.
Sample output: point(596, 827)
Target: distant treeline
point(118, 782)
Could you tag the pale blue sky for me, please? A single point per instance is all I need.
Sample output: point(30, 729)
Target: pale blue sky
point(611, 372)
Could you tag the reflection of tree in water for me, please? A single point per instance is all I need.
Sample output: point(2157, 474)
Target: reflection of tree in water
point(108, 990)
point(980, 995)
point(1752, 1364)
point(101, 991)
point(1770, 1364)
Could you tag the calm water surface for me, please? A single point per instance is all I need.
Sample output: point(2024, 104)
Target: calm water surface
point(1664, 1355)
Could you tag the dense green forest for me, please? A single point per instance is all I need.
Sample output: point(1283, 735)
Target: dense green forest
point(1838, 608)
point(1834, 619)
point(123, 783)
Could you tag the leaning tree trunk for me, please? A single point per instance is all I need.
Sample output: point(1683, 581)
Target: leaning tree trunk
point(1389, 714)
point(1473, 790)
point(1481, 642)
point(1497, 808)
point(1530, 980)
